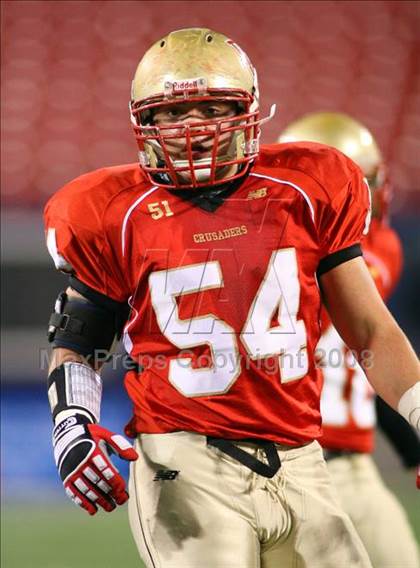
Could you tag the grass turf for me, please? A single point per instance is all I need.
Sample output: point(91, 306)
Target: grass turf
point(63, 537)
point(51, 536)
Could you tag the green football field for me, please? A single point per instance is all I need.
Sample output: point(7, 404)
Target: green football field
point(64, 537)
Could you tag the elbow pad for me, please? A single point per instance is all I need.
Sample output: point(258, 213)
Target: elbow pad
point(87, 326)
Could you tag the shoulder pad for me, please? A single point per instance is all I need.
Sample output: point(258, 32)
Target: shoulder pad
point(84, 200)
point(329, 167)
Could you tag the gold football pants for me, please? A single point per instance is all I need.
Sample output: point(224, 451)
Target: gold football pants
point(192, 506)
point(377, 515)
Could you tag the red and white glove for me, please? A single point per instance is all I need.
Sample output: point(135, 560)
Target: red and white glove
point(418, 477)
point(81, 455)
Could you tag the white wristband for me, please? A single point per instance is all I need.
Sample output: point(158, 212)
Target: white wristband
point(409, 405)
point(76, 385)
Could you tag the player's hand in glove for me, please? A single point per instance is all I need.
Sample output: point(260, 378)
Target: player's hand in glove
point(81, 455)
point(418, 477)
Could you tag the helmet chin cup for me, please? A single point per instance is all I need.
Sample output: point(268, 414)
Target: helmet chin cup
point(144, 160)
point(202, 174)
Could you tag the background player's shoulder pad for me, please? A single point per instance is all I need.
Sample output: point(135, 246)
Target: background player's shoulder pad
point(329, 167)
point(84, 200)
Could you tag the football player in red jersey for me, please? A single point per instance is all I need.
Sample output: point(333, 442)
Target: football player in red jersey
point(347, 401)
point(220, 249)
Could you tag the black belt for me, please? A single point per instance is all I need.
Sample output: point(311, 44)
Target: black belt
point(265, 469)
point(332, 454)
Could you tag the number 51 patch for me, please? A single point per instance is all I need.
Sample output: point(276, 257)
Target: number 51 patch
point(160, 209)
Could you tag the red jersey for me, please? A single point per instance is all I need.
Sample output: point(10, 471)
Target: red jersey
point(347, 401)
point(225, 304)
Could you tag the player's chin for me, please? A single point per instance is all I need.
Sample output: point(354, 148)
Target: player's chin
point(177, 149)
point(203, 175)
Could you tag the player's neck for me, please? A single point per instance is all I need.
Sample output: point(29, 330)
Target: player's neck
point(211, 198)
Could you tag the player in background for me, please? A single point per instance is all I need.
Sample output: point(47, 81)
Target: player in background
point(348, 401)
point(219, 247)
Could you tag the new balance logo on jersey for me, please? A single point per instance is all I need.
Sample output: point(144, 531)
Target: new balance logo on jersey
point(257, 193)
point(166, 475)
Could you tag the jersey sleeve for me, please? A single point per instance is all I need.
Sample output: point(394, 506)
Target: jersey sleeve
point(338, 192)
point(345, 218)
point(80, 246)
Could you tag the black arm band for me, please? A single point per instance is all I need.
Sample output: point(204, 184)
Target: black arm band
point(121, 310)
point(83, 327)
point(336, 258)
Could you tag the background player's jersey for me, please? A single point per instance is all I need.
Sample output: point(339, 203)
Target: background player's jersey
point(347, 400)
point(225, 304)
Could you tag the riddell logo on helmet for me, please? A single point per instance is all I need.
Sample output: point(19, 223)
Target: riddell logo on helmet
point(197, 84)
point(181, 85)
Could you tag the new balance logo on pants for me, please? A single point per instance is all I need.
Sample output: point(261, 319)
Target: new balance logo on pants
point(165, 475)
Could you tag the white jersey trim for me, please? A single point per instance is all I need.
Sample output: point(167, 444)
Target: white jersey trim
point(130, 210)
point(299, 189)
point(368, 218)
point(127, 342)
point(59, 260)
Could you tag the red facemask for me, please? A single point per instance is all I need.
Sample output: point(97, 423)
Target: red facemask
point(242, 131)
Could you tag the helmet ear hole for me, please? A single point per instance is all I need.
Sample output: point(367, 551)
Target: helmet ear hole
point(146, 117)
point(162, 43)
point(209, 38)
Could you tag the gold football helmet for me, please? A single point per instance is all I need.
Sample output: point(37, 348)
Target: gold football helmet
point(353, 139)
point(194, 65)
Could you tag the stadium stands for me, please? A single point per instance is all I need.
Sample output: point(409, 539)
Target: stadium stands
point(67, 68)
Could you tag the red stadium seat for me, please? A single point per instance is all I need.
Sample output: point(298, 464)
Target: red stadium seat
point(67, 68)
